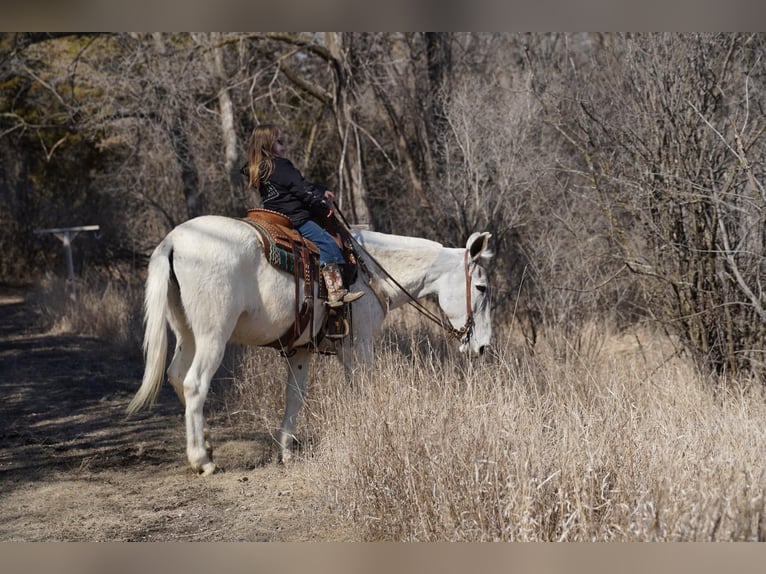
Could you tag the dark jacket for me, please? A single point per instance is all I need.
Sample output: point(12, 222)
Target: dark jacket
point(289, 193)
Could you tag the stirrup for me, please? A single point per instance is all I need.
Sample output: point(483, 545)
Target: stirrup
point(337, 327)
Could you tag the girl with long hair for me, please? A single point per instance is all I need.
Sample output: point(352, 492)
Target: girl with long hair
point(284, 189)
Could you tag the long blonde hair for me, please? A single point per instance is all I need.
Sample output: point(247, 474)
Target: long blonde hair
point(260, 153)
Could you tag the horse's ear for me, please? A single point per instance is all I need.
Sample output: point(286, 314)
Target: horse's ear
point(478, 245)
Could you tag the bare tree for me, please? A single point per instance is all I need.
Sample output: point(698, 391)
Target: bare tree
point(213, 51)
point(672, 149)
point(339, 96)
point(585, 154)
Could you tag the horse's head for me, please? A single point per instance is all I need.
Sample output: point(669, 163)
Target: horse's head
point(466, 301)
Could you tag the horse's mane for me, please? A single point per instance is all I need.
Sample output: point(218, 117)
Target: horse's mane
point(410, 253)
point(377, 240)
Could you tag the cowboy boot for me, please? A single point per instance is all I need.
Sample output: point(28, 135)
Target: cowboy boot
point(337, 295)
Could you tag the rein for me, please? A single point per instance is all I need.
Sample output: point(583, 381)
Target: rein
point(464, 333)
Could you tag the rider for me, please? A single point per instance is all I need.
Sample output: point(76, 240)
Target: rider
point(283, 189)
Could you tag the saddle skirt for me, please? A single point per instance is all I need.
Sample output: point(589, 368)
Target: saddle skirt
point(280, 239)
point(286, 249)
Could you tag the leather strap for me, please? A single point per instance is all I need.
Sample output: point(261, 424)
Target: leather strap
point(304, 312)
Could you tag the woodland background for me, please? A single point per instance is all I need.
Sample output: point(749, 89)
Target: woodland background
point(620, 174)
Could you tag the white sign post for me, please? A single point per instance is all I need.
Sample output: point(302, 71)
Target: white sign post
point(66, 235)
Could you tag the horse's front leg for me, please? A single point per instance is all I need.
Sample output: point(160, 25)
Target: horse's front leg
point(295, 397)
point(355, 356)
point(356, 351)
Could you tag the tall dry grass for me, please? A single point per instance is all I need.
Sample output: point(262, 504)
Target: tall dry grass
point(612, 440)
point(616, 447)
point(109, 308)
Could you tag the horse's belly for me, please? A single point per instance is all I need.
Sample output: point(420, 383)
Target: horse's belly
point(251, 330)
point(259, 329)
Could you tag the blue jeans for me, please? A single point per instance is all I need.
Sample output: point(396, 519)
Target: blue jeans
point(329, 252)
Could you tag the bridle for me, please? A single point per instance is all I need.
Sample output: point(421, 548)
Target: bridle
point(464, 333)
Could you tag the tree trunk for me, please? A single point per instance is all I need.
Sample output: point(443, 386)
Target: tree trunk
point(439, 56)
point(214, 59)
point(189, 176)
point(352, 194)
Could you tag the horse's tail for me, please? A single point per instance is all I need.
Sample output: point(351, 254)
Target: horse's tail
point(156, 333)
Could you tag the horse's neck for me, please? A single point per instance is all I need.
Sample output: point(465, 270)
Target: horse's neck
point(416, 264)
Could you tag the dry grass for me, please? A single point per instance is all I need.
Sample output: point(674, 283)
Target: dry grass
point(108, 309)
point(614, 439)
point(524, 448)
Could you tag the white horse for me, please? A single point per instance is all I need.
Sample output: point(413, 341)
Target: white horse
point(209, 279)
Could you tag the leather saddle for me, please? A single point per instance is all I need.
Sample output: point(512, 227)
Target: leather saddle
point(286, 249)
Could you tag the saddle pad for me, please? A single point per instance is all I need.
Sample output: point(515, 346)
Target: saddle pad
point(278, 240)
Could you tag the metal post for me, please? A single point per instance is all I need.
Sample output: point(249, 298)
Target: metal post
point(66, 235)
point(66, 239)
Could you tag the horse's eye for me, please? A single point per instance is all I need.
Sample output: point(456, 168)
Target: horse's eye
point(481, 288)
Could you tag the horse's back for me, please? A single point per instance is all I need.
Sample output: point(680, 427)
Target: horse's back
point(226, 284)
point(214, 235)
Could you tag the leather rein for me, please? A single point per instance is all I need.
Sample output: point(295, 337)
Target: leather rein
point(464, 333)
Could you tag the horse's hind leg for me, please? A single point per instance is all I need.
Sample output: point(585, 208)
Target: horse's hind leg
point(179, 366)
point(207, 358)
point(185, 345)
point(295, 397)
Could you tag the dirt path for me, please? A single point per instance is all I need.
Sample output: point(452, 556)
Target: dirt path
point(73, 469)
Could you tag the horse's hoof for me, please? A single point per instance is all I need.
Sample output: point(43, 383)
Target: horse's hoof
point(285, 457)
point(207, 469)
